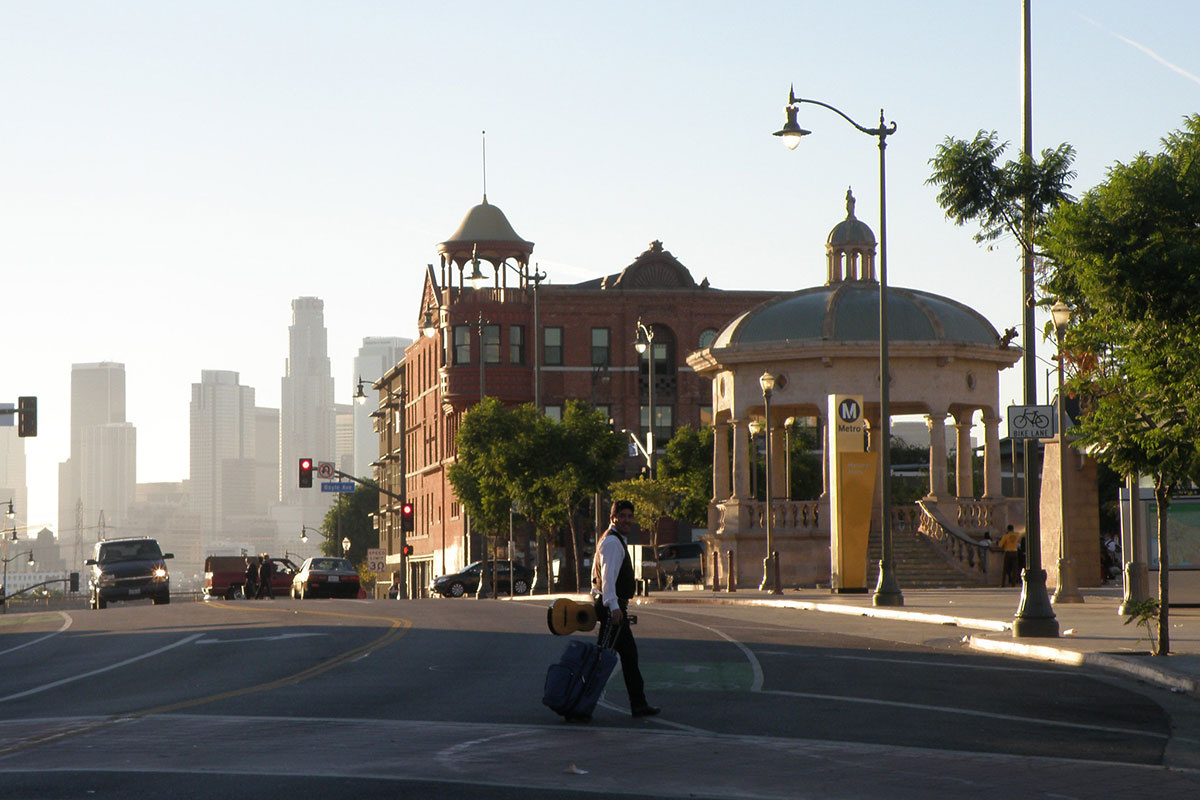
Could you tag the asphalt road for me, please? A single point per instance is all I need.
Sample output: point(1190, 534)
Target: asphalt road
point(441, 698)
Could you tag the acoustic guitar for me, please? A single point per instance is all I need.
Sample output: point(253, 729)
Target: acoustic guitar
point(565, 616)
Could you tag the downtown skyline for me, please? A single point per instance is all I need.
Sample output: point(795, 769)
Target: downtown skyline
point(174, 176)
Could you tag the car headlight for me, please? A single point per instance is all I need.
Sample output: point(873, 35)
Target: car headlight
point(106, 580)
point(160, 573)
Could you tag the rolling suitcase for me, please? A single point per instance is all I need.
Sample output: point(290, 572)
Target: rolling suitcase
point(574, 684)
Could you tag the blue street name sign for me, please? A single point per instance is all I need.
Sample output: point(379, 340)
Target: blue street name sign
point(337, 486)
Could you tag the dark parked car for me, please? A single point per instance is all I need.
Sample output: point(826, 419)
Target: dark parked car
point(323, 576)
point(682, 562)
point(128, 569)
point(467, 581)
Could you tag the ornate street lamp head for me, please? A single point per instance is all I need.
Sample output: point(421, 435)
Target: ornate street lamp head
point(1060, 312)
point(360, 397)
point(428, 326)
point(767, 382)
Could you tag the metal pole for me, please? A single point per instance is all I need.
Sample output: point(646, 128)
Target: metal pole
point(403, 588)
point(651, 445)
point(887, 590)
point(1066, 591)
point(766, 581)
point(1035, 616)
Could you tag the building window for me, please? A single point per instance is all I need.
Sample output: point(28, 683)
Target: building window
point(554, 413)
point(706, 416)
point(706, 337)
point(462, 344)
point(552, 346)
point(491, 344)
point(600, 347)
point(516, 344)
point(663, 423)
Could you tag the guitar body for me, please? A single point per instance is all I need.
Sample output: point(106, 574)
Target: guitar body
point(565, 616)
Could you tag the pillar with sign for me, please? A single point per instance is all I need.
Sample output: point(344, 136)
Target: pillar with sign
point(851, 493)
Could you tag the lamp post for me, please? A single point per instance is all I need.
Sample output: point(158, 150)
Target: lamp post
point(787, 455)
point(887, 590)
point(767, 382)
point(643, 343)
point(345, 546)
point(1066, 591)
point(7, 559)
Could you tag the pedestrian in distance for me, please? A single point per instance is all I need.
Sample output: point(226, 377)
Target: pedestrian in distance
point(394, 589)
point(1010, 543)
point(250, 581)
point(266, 568)
point(613, 586)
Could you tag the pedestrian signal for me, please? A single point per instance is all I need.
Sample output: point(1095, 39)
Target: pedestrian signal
point(306, 470)
point(406, 517)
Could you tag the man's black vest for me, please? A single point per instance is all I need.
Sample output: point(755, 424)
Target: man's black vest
point(626, 586)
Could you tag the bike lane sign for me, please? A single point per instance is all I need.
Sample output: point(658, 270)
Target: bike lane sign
point(1031, 422)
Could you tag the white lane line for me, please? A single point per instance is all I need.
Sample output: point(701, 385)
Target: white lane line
point(966, 712)
point(47, 686)
point(920, 663)
point(66, 624)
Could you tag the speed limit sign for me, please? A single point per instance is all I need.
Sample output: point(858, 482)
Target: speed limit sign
point(325, 469)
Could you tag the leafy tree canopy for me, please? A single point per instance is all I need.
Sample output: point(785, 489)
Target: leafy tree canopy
point(350, 517)
point(688, 464)
point(973, 186)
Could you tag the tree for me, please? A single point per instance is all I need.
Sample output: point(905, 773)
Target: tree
point(518, 457)
point(350, 518)
point(588, 451)
point(973, 186)
point(1126, 257)
point(688, 465)
point(652, 500)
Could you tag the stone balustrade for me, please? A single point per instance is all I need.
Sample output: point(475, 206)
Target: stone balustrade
point(961, 548)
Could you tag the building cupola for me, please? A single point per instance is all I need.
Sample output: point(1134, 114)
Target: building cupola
point(850, 249)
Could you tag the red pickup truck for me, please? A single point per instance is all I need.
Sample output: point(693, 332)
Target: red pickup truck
point(224, 576)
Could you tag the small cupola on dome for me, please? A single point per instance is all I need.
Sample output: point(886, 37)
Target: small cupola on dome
point(850, 249)
point(485, 232)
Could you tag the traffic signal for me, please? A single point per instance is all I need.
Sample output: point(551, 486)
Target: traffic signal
point(74, 581)
point(306, 473)
point(406, 551)
point(27, 419)
point(406, 517)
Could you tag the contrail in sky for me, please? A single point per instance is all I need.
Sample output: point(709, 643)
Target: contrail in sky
point(1145, 50)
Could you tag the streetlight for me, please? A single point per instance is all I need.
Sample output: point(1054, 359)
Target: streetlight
point(887, 590)
point(304, 529)
point(767, 382)
point(1066, 591)
point(11, 512)
point(4, 582)
point(644, 343)
point(401, 399)
point(429, 328)
point(346, 546)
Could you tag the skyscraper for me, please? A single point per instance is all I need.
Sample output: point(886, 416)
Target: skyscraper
point(101, 472)
point(222, 452)
point(377, 355)
point(12, 472)
point(306, 414)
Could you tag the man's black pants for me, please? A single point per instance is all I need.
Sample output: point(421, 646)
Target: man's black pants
point(626, 648)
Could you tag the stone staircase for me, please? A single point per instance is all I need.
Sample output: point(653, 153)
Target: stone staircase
point(919, 564)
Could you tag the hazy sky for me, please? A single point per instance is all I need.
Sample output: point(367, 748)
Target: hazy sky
point(173, 174)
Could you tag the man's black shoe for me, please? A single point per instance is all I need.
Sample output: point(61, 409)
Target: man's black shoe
point(645, 711)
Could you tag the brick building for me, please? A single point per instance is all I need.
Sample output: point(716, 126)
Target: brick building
point(540, 342)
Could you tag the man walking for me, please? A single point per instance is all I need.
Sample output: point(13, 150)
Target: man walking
point(266, 568)
point(1010, 571)
point(612, 587)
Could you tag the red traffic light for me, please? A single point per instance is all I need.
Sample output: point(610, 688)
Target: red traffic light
point(306, 470)
point(406, 517)
point(406, 550)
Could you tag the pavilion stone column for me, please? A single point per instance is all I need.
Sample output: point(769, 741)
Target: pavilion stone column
point(991, 458)
point(823, 437)
point(778, 463)
point(937, 455)
point(721, 476)
point(741, 459)
point(964, 482)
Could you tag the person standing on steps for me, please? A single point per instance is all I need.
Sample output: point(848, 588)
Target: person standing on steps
point(612, 587)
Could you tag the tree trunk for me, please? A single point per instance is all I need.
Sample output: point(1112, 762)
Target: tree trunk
point(541, 580)
point(571, 576)
point(1162, 499)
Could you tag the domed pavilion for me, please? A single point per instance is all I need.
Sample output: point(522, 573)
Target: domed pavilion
point(945, 360)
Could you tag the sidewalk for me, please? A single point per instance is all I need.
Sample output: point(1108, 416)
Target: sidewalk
point(1091, 633)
